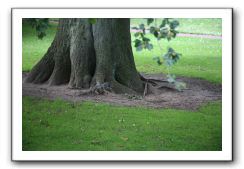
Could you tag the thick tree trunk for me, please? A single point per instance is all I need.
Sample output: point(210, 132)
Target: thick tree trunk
point(115, 62)
point(82, 54)
point(97, 56)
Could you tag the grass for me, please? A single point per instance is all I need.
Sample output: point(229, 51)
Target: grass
point(34, 48)
point(59, 125)
point(211, 26)
point(201, 58)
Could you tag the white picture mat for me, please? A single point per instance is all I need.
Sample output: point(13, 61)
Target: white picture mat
point(225, 154)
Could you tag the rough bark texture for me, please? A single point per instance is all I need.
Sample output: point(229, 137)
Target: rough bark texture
point(54, 67)
point(115, 62)
point(97, 56)
point(62, 66)
point(82, 54)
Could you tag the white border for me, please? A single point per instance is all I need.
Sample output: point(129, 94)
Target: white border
point(19, 155)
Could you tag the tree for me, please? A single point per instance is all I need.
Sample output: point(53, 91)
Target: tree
point(86, 55)
point(97, 55)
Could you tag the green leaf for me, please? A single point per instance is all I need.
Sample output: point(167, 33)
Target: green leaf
point(157, 60)
point(169, 62)
point(164, 32)
point(40, 24)
point(171, 78)
point(180, 85)
point(174, 24)
point(137, 42)
point(142, 26)
point(145, 39)
point(171, 57)
point(137, 34)
point(149, 46)
point(40, 35)
point(174, 33)
point(164, 22)
point(155, 34)
point(170, 50)
point(139, 48)
point(92, 20)
point(149, 21)
point(152, 29)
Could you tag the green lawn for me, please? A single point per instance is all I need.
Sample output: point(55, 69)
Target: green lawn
point(200, 58)
point(59, 125)
point(34, 48)
point(192, 25)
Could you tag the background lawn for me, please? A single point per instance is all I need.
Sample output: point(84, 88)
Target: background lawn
point(59, 125)
point(34, 48)
point(200, 58)
point(189, 25)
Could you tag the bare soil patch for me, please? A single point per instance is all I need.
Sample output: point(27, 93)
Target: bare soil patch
point(198, 92)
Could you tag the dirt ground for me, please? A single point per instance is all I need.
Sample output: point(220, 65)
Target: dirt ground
point(198, 92)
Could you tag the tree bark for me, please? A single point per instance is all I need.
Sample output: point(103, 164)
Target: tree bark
point(97, 56)
point(82, 54)
point(54, 67)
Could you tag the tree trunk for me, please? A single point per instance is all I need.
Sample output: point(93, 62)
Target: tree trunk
point(96, 56)
point(82, 54)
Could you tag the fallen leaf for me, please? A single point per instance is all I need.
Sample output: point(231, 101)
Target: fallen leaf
point(95, 142)
point(124, 138)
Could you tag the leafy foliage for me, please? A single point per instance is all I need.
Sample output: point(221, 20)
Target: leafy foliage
point(40, 24)
point(158, 60)
point(149, 21)
point(166, 30)
point(142, 42)
point(180, 85)
point(171, 57)
point(92, 20)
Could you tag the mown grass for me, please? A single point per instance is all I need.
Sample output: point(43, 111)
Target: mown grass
point(59, 125)
point(212, 26)
point(33, 48)
point(200, 57)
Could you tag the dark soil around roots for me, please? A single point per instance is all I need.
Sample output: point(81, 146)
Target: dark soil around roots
point(197, 93)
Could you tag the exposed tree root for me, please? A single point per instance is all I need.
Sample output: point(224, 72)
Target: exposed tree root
point(198, 93)
point(145, 90)
point(151, 86)
point(155, 85)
